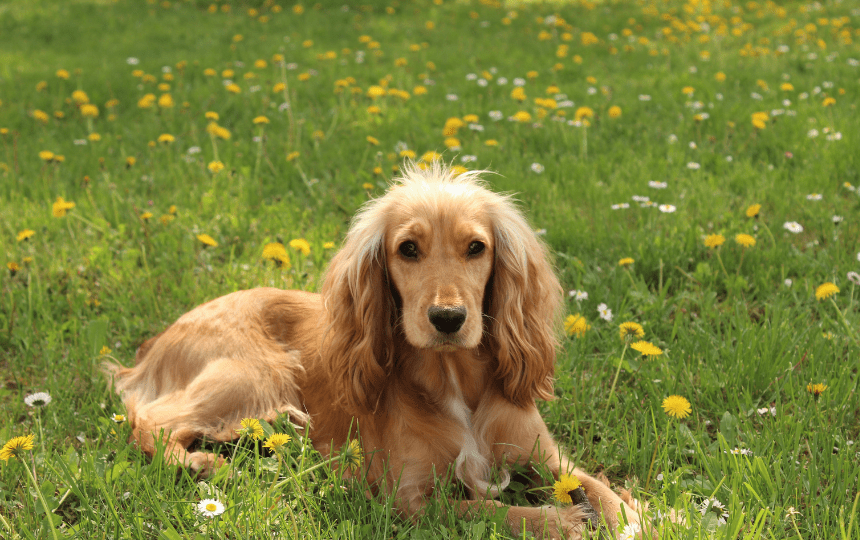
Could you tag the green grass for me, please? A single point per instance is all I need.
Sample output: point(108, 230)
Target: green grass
point(735, 337)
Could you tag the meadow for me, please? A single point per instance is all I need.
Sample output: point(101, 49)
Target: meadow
point(692, 165)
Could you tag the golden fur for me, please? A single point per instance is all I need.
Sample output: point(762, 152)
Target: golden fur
point(436, 355)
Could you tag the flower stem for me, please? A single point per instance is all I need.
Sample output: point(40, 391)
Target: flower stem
point(48, 515)
point(721, 263)
point(617, 371)
point(845, 322)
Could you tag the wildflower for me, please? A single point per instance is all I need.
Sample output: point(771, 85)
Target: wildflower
point(667, 208)
point(646, 348)
point(89, 111)
point(292, 155)
point(14, 447)
point(759, 120)
point(276, 442)
point(677, 406)
point(166, 138)
point(491, 142)
point(215, 167)
point(605, 312)
point(275, 251)
point(626, 261)
point(576, 325)
point(793, 227)
point(693, 166)
point(352, 455)
point(753, 210)
point(716, 507)
point(614, 111)
point(826, 290)
point(251, 427)
point(564, 486)
point(828, 101)
point(816, 389)
point(13, 268)
point(165, 101)
point(26, 234)
point(630, 330)
point(118, 418)
point(39, 399)
point(104, 351)
point(740, 452)
point(130, 161)
point(373, 140)
point(814, 197)
point(210, 507)
point(714, 240)
point(582, 113)
point(207, 240)
point(745, 240)
point(630, 532)
point(62, 74)
point(300, 244)
point(521, 116)
point(146, 216)
point(854, 278)
point(46, 155)
point(80, 97)
point(261, 120)
point(61, 206)
point(657, 184)
point(765, 410)
point(537, 168)
point(578, 295)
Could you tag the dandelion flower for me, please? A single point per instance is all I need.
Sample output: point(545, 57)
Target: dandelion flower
point(215, 167)
point(753, 210)
point(14, 447)
point(826, 290)
point(352, 455)
point(210, 507)
point(302, 245)
point(646, 348)
point(251, 427)
point(816, 389)
point(39, 399)
point(576, 325)
point(626, 261)
point(46, 155)
point(614, 111)
point(565, 485)
point(714, 240)
point(631, 329)
point(745, 240)
point(166, 138)
point(276, 442)
point(583, 112)
point(261, 120)
point(26, 234)
point(677, 406)
point(275, 251)
point(207, 240)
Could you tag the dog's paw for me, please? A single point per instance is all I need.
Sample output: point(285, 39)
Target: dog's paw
point(204, 464)
point(566, 522)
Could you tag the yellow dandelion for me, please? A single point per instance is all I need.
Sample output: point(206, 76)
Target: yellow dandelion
point(13, 267)
point(714, 240)
point(292, 156)
point(826, 290)
point(146, 216)
point(745, 240)
point(759, 120)
point(753, 210)
point(14, 447)
point(261, 120)
point(46, 155)
point(563, 488)
point(677, 406)
point(277, 442)
point(373, 140)
point(828, 101)
point(89, 110)
point(614, 111)
point(576, 325)
point(583, 113)
point(251, 427)
point(215, 167)
point(816, 389)
point(491, 142)
point(61, 206)
point(130, 161)
point(275, 251)
point(302, 245)
point(352, 455)
point(626, 261)
point(207, 240)
point(166, 138)
point(104, 351)
point(522, 116)
point(646, 348)
point(26, 234)
point(631, 330)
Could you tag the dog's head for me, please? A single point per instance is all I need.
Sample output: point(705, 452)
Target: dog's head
point(449, 265)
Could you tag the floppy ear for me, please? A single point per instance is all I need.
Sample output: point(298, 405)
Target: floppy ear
point(358, 344)
point(524, 309)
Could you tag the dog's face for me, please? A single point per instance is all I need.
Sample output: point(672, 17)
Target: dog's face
point(440, 258)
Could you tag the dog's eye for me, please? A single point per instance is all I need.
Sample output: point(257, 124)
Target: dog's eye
point(476, 247)
point(409, 250)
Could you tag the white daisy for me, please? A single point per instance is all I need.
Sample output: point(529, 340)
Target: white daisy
point(788, 282)
point(765, 410)
point(854, 278)
point(814, 197)
point(793, 227)
point(620, 206)
point(693, 165)
point(496, 115)
point(629, 532)
point(132, 61)
point(578, 295)
point(210, 507)
point(39, 399)
point(605, 312)
point(667, 208)
point(537, 167)
point(715, 506)
point(657, 185)
point(837, 219)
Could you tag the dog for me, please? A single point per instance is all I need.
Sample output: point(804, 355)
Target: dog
point(433, 336)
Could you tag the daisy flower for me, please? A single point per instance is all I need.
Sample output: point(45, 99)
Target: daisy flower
point(657, 185)
point(537, 168)
point(605, 312)
point(629, 532)
point(667, 208)
point(631, 329)
point(210, 507)
point(39, 399)
point(793, 227)
point(715, 506)
point(854, 278)
point(14, 447)
point(826, 290)
point(578, 295)
point(118, 418)
point(565, 485)
point(677, 406)
point(814, 197)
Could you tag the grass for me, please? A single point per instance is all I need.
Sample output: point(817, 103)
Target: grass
point(742, 333)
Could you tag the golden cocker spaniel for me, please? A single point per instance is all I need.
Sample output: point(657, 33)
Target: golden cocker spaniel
point(435, 332)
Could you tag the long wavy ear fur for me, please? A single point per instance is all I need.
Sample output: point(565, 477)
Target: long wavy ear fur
point(358, 344)
point(524, 309)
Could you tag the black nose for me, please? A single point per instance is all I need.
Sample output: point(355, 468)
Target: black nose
point(447, 319)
